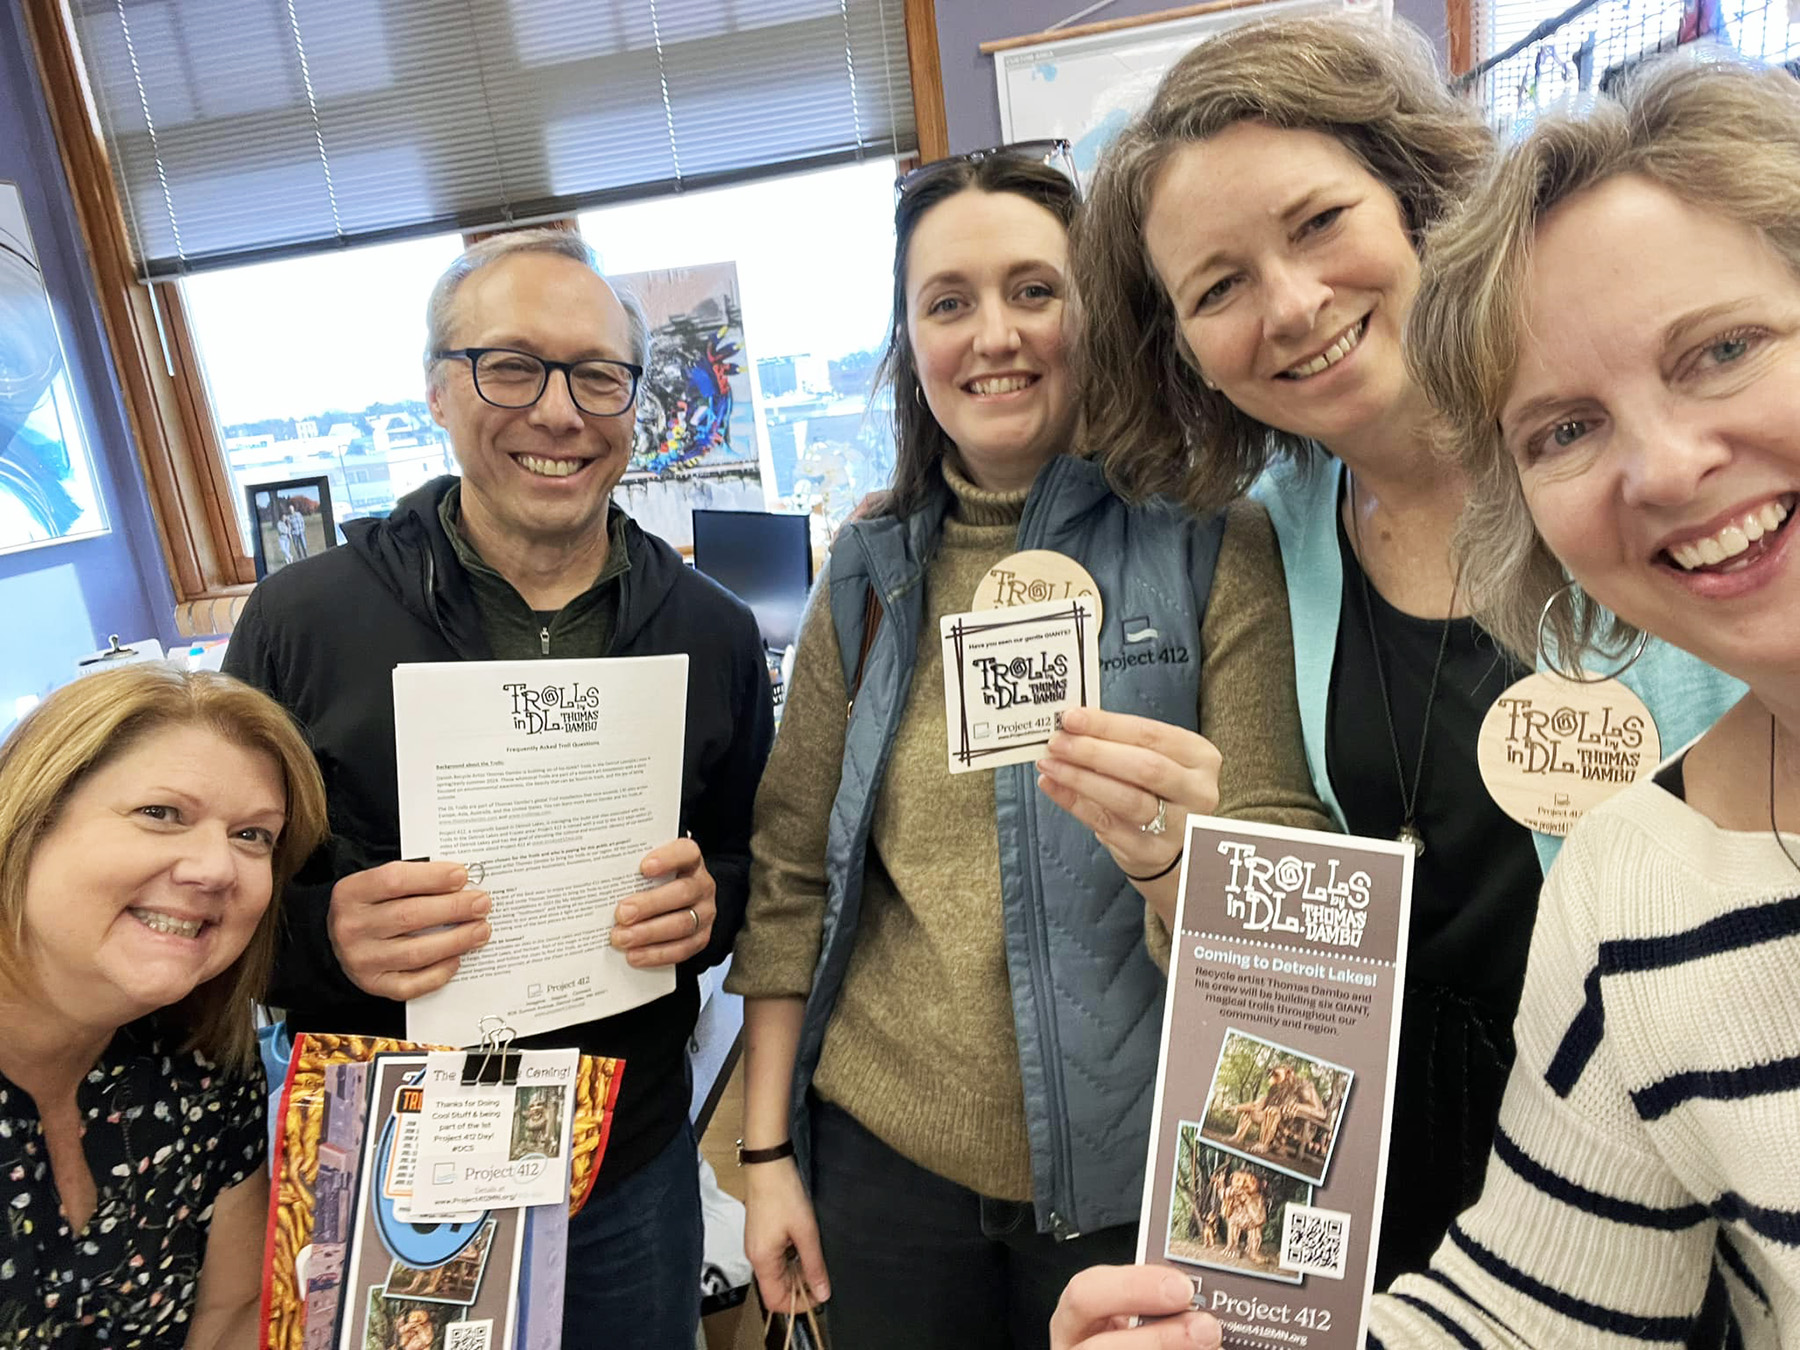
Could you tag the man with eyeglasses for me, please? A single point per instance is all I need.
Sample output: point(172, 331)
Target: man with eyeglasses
point(533, 363)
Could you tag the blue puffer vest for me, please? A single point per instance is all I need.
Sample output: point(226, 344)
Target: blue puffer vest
point(1087, 999)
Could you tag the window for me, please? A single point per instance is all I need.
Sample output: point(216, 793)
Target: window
point(1592, 50)
point(213, 135)
point(814, 258)
point(315, 366)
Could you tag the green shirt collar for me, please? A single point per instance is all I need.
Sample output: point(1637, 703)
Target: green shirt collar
point(618, 556)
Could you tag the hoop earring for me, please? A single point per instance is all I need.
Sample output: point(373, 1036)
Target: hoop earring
point(1581, 676)
point(918, 394)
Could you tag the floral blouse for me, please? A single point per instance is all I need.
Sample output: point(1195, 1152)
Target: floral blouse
point(164, 1133)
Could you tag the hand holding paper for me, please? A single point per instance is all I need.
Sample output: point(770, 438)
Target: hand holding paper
point(401, 929)
point(1111, 770)
point(672, 921)
point(1098, 1308)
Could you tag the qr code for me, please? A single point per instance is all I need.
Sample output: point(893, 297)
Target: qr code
point(1315, 1241)
point(470, 1335)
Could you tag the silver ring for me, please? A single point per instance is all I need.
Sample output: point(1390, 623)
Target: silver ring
point(1160, 825)
point(694, 915)
point(477, 873)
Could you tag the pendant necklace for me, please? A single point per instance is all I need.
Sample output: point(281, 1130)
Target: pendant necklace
point(1775, 829)
point(1408, 833)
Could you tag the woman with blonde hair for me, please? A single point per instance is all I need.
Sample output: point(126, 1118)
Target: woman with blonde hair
point(1247, 269)
point(147, 817)
point(1623, 394)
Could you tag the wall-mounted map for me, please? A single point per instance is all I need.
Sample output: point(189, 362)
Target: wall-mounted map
point(1084, 89)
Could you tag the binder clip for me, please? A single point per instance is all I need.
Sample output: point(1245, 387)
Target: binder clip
point(492, 1062)
point(117, 654)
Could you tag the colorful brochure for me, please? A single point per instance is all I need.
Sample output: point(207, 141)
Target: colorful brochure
point(429, 1286)
point(1268, 1146)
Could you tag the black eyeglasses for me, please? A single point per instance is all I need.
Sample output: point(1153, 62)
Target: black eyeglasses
point(514, 379)
point(1058, 154)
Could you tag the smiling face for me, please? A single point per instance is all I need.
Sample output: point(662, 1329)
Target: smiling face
point(543, 474)
point(1655, 420)
point(1291, 273)
point(154, 877)
point(985, 286)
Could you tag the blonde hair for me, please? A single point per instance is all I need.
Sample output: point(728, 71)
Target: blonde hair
point(1722, 137)
point(1372, 87)
point(85, 726)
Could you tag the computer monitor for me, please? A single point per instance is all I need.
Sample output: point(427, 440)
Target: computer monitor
point(763, 559)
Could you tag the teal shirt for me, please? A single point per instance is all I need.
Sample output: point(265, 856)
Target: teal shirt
point(1683, 693)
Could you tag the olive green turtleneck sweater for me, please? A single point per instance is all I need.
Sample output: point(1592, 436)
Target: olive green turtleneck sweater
point(920, 1048)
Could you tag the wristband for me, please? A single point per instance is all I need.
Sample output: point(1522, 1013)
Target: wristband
point(785, 1149)
point(1158, 876)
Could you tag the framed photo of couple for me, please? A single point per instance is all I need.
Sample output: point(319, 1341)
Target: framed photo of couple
point(289, 520)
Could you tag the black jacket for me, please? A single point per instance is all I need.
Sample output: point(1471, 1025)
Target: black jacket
point(323, 637)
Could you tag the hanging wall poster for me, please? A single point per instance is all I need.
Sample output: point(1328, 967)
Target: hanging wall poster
point(696, 429)
point(1268, 1144)
point(48, 493)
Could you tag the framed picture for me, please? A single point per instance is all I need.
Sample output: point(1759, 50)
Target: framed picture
point(48, 491)
point(289, 520)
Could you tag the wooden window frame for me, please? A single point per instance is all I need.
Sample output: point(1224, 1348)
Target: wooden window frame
point(167, 407)
point(1459, 21)
point(926, 70)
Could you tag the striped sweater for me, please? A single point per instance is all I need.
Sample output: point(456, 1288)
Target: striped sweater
point(1645, 1180)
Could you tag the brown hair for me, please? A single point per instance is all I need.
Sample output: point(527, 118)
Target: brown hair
point(1722, 137)
point(1373, 88)
point(88, 724)
point(919, 442)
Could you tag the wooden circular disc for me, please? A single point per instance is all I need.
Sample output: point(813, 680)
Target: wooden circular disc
point(1033, 576)
point(1551, 749)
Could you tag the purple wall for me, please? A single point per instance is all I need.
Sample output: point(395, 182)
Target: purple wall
point(59, 602)
point(969, 99)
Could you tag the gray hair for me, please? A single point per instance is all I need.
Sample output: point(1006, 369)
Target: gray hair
point(556, 243)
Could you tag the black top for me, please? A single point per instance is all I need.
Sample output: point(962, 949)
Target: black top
point(323, 637)
point(165, 1133)
point(1474, 899)
point(1672, 777)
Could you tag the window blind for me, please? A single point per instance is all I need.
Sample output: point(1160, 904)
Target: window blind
point(242, 130)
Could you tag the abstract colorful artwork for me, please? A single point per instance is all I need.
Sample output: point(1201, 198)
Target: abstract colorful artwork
point(47, 488)
point(696, 430)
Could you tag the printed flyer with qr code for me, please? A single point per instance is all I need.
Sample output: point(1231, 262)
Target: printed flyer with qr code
point(437, 1285)
point(1268, 1146)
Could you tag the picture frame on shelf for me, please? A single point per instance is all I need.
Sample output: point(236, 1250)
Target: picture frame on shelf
point(289, 520)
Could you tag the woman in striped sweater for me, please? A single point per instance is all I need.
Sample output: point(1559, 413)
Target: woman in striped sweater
point(1624, 391)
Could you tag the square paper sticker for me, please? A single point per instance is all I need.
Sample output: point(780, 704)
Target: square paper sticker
point(1010, 674)
point(493, 1146)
